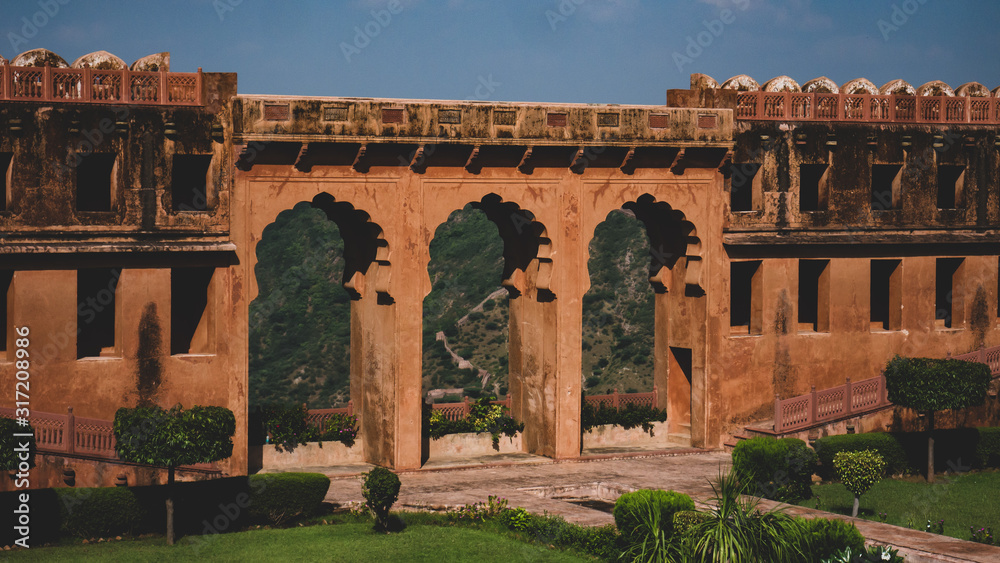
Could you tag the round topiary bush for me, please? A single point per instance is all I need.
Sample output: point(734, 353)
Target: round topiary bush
point(775, 469)
point(630, 509)
point(859, 471)
point(380, 488)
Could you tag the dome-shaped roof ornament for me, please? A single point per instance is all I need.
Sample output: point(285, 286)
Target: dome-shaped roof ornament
point(3, 61)
point(703, 82)
point(996, 92)
point(972, 90)
point(821, 85)
point(935, 88)
point(897, 87)
point(859, 86)
point(741, 82)
point(39, 57)
point(153, 63)
point(781, 84)
point(100, 60)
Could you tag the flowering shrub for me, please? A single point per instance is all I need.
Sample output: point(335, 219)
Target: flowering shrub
point(934, 527)
point(859, 471)
point(484, 416)
point(286, 427)
point(982, 535)
point(875, 553)
point(340, 428)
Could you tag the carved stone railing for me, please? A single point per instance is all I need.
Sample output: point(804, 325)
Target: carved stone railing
point(618, 400)
point(801, 106)
point(86, 85)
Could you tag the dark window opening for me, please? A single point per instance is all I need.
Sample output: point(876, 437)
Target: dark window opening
point(947, 296)
point(813, 193)
point(814, 295)
point(5, 160)
point(189, 182)
point(886, 297)
point(190, 311)
point(95, 313)
point(743, 186)
point(6, 277)
point(745, 298)
point(951, 180)
point(95, 183)
point(886, 180)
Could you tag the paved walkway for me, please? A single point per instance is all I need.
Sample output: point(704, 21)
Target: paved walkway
point(542, 485)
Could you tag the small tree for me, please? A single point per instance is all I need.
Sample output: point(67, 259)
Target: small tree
point(380, 488)
point(170, 438)
point(931, 385)
point(859, 471)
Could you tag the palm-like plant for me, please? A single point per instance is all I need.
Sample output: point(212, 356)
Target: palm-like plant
point(656, 545)
point(737, 531)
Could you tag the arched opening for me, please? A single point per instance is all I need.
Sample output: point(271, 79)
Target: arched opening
point(639, 344)
point(479, 258)
point(314, 266)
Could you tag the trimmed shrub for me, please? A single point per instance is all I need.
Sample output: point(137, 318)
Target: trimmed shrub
point(859, 472)
point(380, 488)
point(887, 445)
point(988, 448)
point(276, 498)
point(630, 506)
point(632, 416)
point(99, 512)
point(775, 469)
point(929, 384)
point(822, 538)
point(685, 520)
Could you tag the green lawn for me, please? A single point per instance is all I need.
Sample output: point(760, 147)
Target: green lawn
point(337, 542)
point(963, 500)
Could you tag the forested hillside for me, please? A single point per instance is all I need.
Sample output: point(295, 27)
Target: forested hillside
point(300, 321)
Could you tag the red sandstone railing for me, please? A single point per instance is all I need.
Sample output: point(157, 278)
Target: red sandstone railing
point(800, 106)
point(851, 399)
point(458, 411)
point(92, 438)
point(319, 417)
point(618, 400)
point(86, 85)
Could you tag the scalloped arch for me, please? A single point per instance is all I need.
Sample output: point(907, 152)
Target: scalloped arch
point(859, 86)
point(742, 83)
point(972, 90)
point(898, 87)
point(821, 85)
point(671, 237)
point(781, 84)
point(935, 88)
point(101, 60)
point(39, 57)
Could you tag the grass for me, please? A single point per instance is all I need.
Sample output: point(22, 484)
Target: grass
point(355, 542)
point(961, 501)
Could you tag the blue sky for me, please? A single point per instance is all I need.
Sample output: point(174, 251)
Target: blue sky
point(604, 51)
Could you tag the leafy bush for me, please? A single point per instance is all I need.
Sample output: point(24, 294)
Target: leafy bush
point(686, 520)
point(276, 498)
point(484, 416)
point(930, 384)
point(99, 512)
point(632, 416)
point(775, 469)
point(380, 488)
point(286, 426)
point(887, 445)
point(340, 428)
point(873, 554)
point(988, 447)
point(174, 437)
point(823, 538)
point(635, 512)
point(859, 471)
point(9, 457)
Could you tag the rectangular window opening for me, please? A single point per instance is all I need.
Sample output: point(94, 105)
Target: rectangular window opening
point(745, 300)
point(6, 325)
point(814, 296)
point(191, 312)
point(951, 184)
point(95, 183)
point(96, 290)
point(948, 295)
point(886, 295)
point(745, 186)
point(885, 184)
point(189, 182)
point(5, 173)
point(813, 193)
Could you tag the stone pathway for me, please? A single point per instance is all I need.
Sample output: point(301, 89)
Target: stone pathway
point(531, 482)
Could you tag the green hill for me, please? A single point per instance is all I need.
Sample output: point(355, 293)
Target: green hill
point(300, 321)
